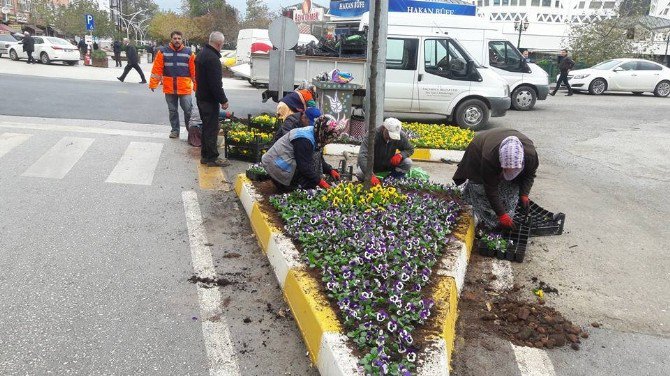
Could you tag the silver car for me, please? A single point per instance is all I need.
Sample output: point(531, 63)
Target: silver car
point(5, 41)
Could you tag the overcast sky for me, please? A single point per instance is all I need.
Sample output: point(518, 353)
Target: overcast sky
point(239, 4)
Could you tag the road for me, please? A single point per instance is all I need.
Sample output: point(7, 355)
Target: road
point(95, 269)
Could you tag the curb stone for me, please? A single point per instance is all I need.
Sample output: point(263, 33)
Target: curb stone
point(423, 155)
point(322, 333)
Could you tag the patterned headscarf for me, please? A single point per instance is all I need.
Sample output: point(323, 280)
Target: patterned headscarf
point(511, 157)
point(326, 129)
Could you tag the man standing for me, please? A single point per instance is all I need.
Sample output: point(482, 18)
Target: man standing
point(29, 46)
point(116, 46)
point(133, 62)
point(175, 68)
point(210, 95)
point(389, 138)
point(565, 64)
point(82, 48)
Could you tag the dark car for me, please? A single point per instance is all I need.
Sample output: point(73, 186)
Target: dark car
point(5, 41)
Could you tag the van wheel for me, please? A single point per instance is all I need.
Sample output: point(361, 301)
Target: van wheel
point(473, 114)
point(523, 98)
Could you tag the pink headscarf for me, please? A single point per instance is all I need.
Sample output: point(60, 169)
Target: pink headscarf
point(511, 157)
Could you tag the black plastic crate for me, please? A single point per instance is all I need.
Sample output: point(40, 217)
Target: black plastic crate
point(245, 152)
point(519, 238)
point(544, 222)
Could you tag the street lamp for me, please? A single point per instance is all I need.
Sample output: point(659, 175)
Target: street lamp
point(667, 41)
point(520, 26)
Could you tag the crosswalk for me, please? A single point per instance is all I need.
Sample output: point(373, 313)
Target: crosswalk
point(136, 166)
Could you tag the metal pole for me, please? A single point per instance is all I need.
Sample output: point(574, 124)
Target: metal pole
point(282, 60)
point(518, 42)
point(667, 41)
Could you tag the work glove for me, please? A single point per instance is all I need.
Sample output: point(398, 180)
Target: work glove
point(525, 202)
point(506, 221)
point(335, 174)
point(323, 184)
point(375, 180)
point(396, 159)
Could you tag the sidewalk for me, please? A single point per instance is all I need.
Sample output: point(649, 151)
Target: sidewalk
point(82, 72)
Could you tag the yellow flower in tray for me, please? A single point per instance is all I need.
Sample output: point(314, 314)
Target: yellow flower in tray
point(352, 195)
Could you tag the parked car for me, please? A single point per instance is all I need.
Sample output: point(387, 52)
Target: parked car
point(5, 41)
point(622, 75)
point(48, 49)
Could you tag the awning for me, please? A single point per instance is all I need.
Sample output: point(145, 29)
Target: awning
point(8, 29)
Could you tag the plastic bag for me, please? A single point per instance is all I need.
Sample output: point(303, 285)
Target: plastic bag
point(418, 173)
point(340, 77)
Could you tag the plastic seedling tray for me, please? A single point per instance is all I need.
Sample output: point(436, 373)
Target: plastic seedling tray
point(544, 222)
point(519, 241)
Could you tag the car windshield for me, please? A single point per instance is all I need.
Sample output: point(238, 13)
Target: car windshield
point(609, 64)
point(59, 41)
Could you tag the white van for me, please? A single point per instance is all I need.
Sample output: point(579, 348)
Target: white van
point(486, 44)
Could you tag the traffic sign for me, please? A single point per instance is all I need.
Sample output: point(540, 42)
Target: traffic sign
point(90, 22)
point(88, 39)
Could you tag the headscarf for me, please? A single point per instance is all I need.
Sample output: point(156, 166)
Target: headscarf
point(294, 101)
point(283, 111)
point(327, 129)
point(511, 157)
point(312, 114)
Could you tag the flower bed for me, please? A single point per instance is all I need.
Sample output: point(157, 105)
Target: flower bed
point(438, 136)
point(375, 252)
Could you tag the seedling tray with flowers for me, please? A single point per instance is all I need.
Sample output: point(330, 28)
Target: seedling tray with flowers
point(375, 252)
point(506, 245)
point(247, 141)
point(256, 172)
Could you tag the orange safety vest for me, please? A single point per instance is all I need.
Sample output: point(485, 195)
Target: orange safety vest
point(175, 69)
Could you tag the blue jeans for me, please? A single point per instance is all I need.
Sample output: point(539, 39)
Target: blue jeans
point(186, 103)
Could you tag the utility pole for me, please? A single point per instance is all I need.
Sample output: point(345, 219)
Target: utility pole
point(376, 61)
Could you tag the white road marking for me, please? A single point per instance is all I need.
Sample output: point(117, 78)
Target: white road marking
point(60, 159)
point(94, 130)
point(137, 165)
point(533, 362)
point(9, 141)
point(220, 351)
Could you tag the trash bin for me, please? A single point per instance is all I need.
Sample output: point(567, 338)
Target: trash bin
point(335, 99)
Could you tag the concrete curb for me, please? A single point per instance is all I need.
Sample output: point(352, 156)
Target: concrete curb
point(323, 335)
point(424, 155)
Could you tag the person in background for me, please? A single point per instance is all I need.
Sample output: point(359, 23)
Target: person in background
point(82, 48)
point(296, 161)
point(133, 62)
point(210, 97)
point(116, 47)
point(174, 67)
point(526, 56)
point(389, 138)
point(150, 52)
point(498, 168)
point(29, 46)
point(565, 64)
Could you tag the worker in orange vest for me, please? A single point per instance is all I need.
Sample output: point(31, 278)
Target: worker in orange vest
point(174, 67)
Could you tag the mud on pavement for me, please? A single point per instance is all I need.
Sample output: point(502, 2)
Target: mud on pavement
point(265, 336)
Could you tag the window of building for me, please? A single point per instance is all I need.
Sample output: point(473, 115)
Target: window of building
point(496, 2)
point(479, 3)
point(401, 53)
point(558, 4)
point(581, 5)
point(546, 3)
point(609, 5)
point(595, 5)
point(505, 2)
point(522, 3)
point(535, 3)
point(513, 2)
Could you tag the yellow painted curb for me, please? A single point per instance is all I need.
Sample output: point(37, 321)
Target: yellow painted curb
point(469, 237)
point(239, 184)
point(310, 309)
point(446, 307)
point(261, 226)
point(421, 155)
point(212, 178)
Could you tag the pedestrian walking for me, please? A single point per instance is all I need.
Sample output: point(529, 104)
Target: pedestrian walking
point(210, 96)
point(116, 46)
point(498, 168)
point(133, 62)
point(82, 48)
point(174, 66)
point(565, 64)
point(150, 52)
point(392, 152)
point(29, 46)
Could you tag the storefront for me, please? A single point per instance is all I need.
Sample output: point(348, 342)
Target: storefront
point(355, 8)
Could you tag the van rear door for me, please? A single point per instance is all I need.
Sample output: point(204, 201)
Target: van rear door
point(401, 63)
point(443, 75)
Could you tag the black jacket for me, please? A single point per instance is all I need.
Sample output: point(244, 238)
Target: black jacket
point(481, 164)
point(208, 75)
point(28, 44)
point(309, 164)
point(384, 151)
point(116, 47)
point(131, 54)
point(292, 121)
point(82, 45)
point(566, 64)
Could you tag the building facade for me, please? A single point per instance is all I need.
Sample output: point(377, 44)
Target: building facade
point(16, 16)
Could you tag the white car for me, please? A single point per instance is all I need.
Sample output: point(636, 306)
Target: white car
point(627, 75)
point(48, 49)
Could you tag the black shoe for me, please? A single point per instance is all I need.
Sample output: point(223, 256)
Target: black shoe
point(143, 82)
point(552, 94)
point(568, 94)
point(217, 163)
point(120, 79)
point(174, 134)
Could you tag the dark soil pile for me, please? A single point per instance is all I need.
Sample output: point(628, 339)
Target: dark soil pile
point(532, 324)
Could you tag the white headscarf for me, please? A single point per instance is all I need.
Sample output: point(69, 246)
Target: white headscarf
point(511, 157)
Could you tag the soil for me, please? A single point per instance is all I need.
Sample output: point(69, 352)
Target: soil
point(509, 316)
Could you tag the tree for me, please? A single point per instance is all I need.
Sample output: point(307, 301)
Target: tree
point(594, 42)
point(70, 19)
point(258, 15)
